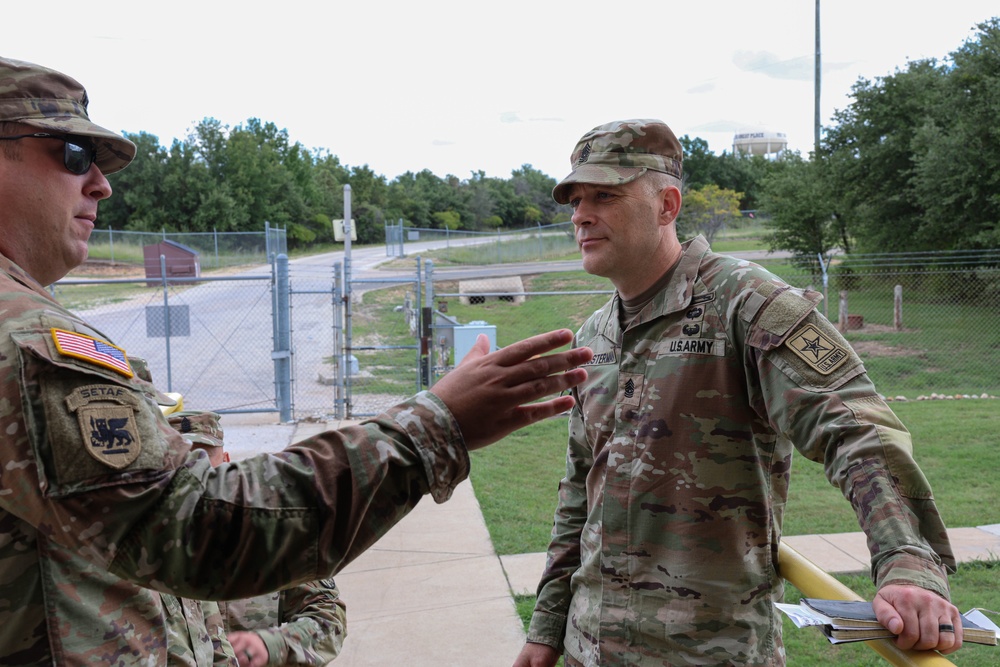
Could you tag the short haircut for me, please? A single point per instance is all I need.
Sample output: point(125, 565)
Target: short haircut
point(10, 149)
point(654, 182)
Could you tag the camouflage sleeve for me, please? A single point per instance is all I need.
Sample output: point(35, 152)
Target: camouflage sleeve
point(86, 442)
point(222, 650)
point(548, 622)
point(815, 391)
point(313, 625)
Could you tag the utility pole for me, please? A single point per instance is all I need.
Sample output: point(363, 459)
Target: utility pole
point(817, 86)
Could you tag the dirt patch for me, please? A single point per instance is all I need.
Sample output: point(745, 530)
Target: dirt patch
point(103, 268)
point(873, 348)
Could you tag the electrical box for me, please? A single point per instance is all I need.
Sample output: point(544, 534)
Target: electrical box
point(466, 334)
point(338, 230)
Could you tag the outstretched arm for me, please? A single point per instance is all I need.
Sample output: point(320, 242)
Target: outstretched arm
point(490, 395)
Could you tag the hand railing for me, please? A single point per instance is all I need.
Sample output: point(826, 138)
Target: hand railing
point(814, 582)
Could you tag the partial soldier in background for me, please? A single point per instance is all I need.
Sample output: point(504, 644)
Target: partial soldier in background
point(302, 625)
point(708, 373)
point(101, 500)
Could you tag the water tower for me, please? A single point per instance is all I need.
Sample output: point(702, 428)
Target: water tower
point(759, 142)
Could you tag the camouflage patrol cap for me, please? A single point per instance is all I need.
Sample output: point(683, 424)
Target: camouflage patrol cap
point(198, 427)
point(49, 100)
point(620, 152)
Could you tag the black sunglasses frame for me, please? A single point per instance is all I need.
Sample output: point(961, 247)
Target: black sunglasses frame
point(78, 153)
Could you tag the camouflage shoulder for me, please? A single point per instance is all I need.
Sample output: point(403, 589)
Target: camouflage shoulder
point(784, 324)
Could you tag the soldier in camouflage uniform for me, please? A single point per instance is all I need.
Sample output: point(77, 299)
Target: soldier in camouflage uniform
point(301, 625)
point(196, 633)
point(707, 372)
point(102, 503)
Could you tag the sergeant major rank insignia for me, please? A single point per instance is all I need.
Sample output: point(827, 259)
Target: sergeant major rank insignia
point(106, 415)
point(820, 352)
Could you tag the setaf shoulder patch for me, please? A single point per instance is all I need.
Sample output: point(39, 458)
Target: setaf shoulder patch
point(93, 350)
point(106, 415)
point(820, 352)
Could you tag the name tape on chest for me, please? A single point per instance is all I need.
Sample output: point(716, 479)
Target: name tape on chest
point(98, 352)
point(715, 347)
point(602, 358)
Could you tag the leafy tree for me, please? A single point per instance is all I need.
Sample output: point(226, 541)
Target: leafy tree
point(138, 198)
point(369, 196)
point(536, 188)
point(740, 173)
point(957, 170)
point(800, 211)
point(708, 209)
point(447, 219)
point(873, 156)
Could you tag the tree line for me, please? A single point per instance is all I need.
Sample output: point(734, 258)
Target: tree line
point(911, 164)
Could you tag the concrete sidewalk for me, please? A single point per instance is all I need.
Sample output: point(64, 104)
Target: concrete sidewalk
point(433, 592)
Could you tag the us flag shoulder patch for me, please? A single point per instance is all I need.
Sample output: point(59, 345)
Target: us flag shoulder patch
point(99, 352)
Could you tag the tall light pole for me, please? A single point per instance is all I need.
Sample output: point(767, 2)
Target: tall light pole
point(817, 85)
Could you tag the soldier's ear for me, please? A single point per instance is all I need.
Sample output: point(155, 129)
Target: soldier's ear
point(670, 204)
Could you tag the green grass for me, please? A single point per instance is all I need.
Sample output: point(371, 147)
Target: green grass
point(974, 585)
point(516, 480)
point(516, 483)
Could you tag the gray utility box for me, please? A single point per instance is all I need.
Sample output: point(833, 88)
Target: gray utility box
point(466, 334)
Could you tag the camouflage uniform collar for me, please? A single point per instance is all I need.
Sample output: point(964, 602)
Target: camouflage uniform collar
point(20, 275)
point(675, 297)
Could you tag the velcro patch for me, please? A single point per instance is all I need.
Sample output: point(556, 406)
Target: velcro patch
point(821, 353)
point(106, 415)
point(99, 352)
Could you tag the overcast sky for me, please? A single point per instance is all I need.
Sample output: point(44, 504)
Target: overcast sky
point(457, 87)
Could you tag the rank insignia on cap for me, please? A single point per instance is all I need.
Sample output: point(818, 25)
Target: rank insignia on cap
point(584, 154)
point(817, 350)
point(106, 414)
point(99, 352)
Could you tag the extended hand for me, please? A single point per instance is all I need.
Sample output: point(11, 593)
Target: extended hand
point(537, 655)
point(250, 649)
point(488, 393)
point(915, 614)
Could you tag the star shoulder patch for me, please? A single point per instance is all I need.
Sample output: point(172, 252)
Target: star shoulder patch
point(819, 351)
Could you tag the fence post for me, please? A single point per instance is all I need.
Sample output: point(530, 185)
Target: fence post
point(897, 307)
point(166, 317)
point(842, 319)
point(429, 300)
point(348, 293)
point(421, 327)
point(111, 243)
point(283, 341)
point(826, 284)
point(338, 334)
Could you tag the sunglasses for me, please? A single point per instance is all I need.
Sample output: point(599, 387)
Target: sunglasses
point(78, 154)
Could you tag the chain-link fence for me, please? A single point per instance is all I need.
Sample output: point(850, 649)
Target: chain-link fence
point(531, 244)
point(214, 249)
point(210, 340)
point(923, 326)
